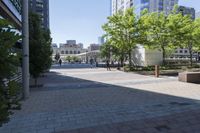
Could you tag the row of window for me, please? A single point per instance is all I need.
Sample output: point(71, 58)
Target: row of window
point(70, 52)
point(181, 51)
point(17, 4)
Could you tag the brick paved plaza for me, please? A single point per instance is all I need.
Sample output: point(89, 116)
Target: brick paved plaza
point(98, 101)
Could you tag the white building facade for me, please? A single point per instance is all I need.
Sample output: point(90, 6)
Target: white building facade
point(66, 50)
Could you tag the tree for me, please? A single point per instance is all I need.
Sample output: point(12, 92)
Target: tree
point(158, 32)
point(105, 50)
point(121, 30)
point(40, 47)
point(197, 34)
point(9, 62)
point(69, 58)
point(47, 41)
point(193, 38)
point(185, 32)
point(57, 56)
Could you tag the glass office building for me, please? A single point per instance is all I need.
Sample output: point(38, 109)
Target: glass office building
point(41, 7)
point(11, 10)
point(152, 5)
point(187, 11)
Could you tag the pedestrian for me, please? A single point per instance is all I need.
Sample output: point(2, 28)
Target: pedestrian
point(94, 64)
point(108, 65)
point(60, 62)
point(97, 64)
point(91, 63)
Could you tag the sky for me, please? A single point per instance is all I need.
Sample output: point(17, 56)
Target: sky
point(81, 20)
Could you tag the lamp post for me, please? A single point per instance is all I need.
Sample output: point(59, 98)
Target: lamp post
point(25, 42)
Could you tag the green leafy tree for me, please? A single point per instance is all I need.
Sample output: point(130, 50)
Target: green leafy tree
point(40, 47)
point(69, 58)
point(121, 30)
point(158, 32)
point(185, 32)
point(9, 62)
point(191, 37)
point(105, 50)
point(75, 58)
point(47, 41)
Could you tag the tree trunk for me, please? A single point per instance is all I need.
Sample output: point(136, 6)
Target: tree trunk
point(130, 58)
point(164, 55)
point(191, 63)
point(190, 52)
point(122, 62)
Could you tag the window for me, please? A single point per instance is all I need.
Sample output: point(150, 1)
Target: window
point(62, 52)
point(66, 52)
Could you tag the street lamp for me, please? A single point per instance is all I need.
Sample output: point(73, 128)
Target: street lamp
point(25, 42)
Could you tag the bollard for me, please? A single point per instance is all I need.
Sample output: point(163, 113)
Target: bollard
point(157, 71)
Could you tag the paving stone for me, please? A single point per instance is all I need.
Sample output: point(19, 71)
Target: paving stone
point(85, 100)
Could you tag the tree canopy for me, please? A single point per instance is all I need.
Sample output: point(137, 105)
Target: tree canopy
point(9, 62)
point(156, 30)
point(40, 46)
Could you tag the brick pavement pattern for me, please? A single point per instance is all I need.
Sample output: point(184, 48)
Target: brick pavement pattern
point(99, 101)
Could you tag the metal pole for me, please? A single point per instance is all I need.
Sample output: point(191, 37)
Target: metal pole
point(25, 42)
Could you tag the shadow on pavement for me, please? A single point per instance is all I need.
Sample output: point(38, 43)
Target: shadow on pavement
point(72, 105)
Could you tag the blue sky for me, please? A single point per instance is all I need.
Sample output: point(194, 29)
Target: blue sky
point(78, 19)
point(81, 20)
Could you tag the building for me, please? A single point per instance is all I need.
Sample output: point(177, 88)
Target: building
point(41, 7)
point(11, 10)
point(187, 11)
point(197, 15)
point(71, 42)
point(68, 49)
point(93, 47)
point(54, 45)
point(101, 40)
point(87, 56)
point(152, 5)
point(80, 44)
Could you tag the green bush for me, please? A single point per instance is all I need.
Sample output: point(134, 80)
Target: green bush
point(9, 61)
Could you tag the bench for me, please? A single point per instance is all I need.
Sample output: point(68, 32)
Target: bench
point(190, 77)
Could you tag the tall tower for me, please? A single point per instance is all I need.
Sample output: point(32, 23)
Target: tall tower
point(41, 7)
point(152, 5)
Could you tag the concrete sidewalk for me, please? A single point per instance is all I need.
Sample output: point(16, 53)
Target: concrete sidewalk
point(99, 101)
